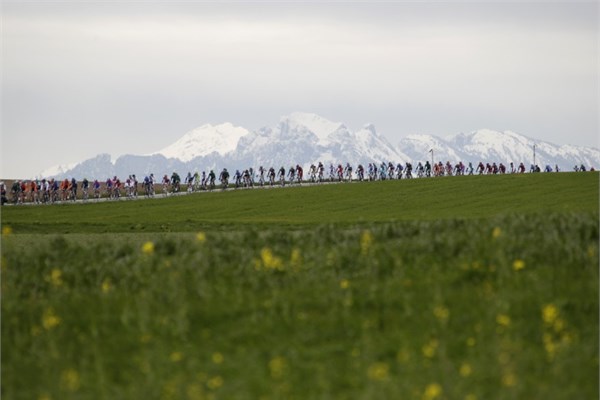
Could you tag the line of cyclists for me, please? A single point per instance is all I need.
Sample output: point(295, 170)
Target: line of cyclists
point(50, 190)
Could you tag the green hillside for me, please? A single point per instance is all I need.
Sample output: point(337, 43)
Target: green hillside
point(471, 288)
point(417, 199)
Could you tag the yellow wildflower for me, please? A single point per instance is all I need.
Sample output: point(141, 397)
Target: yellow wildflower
point(471, 342)
point(296, 258)
point(6, 231)
point(269, 260)
point(518, 264)
point(344, 284)
point(465, 370)
point(195, 392)
point(441, 313)
point(549, 314)
point(432, 391)
point(559, 325)
point(44, 396)
point(379, 371)
point(148, 248)
point(430, 348)
point(470, 396)
point(591, 251)
point(215, 383)
point(106, 285)
point(55, 277)
point(503, 320)
point(201, 237)
point(366, 241)
point(549, 345)
point(509, 379)
point(217, 358)
point(496, 233)
point(176, 356)
point(50, 320)
point(277, 367)
point(69, 379)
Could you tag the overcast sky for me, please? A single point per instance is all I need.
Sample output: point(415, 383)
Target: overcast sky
point(83, 78)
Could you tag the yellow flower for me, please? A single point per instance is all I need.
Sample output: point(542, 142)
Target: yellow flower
point(470, 396)
point(441, 313)
point(430, 348)
point(269, 260)
point(509, 379)
point(379, 371)
point(366, 241)
point(518, 265)
point(55, 277)
point(106, 285)
point(591, 251)
point(471, 342)
point(559, 325)
point(549, 345)
point(6, 230)
point(201, 237)
point(176, 356)
point(69, 380)
point(296, 258)
point(432, 391)
point(148, 248)
point(503, 320)
point(215, 383)
point(195, 392)
point(44, 396)
point(50, 320)
point(465, 370)
point(277, 367)
point(217, 358)
point(549, 314)
point(496, 233)
point(344, 284)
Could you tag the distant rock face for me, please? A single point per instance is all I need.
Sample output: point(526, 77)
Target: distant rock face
point(303, 138)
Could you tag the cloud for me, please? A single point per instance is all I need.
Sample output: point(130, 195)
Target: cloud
point(133, 77)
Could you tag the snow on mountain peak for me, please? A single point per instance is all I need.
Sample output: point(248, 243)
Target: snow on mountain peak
point(305, 138)
point(316, 124)
point(371, 128)
point(205, 140)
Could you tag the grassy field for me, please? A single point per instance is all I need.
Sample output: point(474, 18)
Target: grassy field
point(343, 204)
point(455, 288)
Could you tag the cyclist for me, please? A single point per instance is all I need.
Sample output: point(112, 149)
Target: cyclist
point(224, 178)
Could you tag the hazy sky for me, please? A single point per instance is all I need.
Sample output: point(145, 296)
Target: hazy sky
point(81, 78)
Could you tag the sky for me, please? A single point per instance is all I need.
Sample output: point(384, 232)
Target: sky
point(80, 78)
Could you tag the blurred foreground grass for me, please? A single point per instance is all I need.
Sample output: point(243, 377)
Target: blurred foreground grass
point(498, 308)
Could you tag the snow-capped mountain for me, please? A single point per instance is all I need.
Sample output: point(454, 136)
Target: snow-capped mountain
point(59, 170)
point(205, 140)
point(501, 147)
point(304, 138)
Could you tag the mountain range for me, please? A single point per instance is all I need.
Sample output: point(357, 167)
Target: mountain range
point(304, 138)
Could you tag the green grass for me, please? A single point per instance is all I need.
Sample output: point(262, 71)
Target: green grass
point(425, 199)
point(368, 291)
